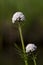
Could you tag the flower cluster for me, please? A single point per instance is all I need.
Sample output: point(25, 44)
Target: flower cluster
point(18, 16)
point(31, 47)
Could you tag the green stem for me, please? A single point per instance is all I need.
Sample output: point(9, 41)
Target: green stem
point(34, 60)
point(23, 47)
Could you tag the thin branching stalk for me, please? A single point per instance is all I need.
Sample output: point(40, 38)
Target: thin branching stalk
point(23, 47)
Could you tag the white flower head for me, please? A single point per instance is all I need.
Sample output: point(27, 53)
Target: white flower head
point(30, 48)
point(18, 16)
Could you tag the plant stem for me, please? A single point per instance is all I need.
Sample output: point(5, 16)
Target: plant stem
point(34, 60)
point(23, 47)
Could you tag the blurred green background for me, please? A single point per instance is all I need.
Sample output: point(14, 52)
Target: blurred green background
point(32, 28)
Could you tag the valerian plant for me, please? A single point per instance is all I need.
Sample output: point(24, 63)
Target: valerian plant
point(17, 18)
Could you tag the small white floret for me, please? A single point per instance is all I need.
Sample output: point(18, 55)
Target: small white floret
point(18, 16)
point(30, 48)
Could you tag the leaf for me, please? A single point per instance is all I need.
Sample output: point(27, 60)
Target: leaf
point(19, 51)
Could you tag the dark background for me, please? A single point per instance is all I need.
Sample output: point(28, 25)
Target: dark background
point(32, 29)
